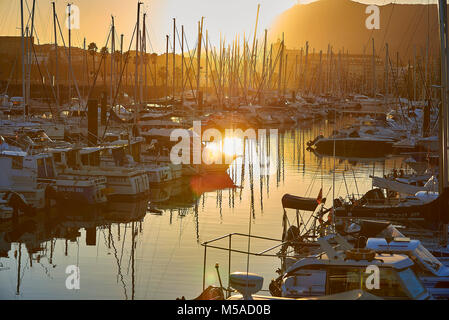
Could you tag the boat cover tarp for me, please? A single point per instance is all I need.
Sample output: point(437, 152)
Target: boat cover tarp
point(397, 186)
point(429, 215)
point(299, 203)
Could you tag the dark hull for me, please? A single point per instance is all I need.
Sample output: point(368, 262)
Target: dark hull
point(429, 215)
point(354, 148)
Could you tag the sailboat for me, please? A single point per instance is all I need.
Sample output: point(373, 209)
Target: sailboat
point(432, 214)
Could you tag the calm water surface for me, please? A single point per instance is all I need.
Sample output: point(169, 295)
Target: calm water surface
point(127, 252)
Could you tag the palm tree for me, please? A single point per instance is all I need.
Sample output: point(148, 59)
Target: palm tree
point(117, 59)
point(92, 48)
point(153, 59)
point(104, 51)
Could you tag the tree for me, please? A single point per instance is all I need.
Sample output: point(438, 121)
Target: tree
point(104, 51)
point(117, 59)
point(153, 59)
point(92, 48)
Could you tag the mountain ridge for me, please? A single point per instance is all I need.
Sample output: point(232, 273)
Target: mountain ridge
point(341, 23)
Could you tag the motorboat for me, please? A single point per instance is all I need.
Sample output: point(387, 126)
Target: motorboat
point(343, 268)
point(84, 162)
point(35, 177)
point(432, 272)
point(352, 143)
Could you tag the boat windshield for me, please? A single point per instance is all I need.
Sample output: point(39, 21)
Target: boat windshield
point(411, 283)
point(427, 258)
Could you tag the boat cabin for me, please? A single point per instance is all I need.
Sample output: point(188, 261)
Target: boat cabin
point(412, 248)
point(318, 277)
point(20, 168)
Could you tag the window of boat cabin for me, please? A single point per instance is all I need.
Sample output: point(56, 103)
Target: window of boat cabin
point(17, 162)
point(50, 167)
point(57, 156)
point(345, 279)
point(45, 168)
point(91, 159)
point(41, 172)
point(71, 158)
point(135, 151)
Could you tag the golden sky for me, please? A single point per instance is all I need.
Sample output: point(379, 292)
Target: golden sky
point(226, 17)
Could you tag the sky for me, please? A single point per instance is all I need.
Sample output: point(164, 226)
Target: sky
point(226, 18)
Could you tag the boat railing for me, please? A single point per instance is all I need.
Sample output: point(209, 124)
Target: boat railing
point(268, 252)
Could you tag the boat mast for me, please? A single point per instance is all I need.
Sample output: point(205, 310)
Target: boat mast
point(166, 70)
point(142, 53)
point(414, 73)
point(280, 65)
point(112, 59)
point(29, 54)
point(207, 64)
point(85, 71)
point(70, 49)
point(174, 58)
point(182, 64)
point(374, 70)
point(136, 72)
point(387, 59)
point(263, 68)
point(443, 118)
point(320, 80)
point(306, 64)
point(56, 82)
point(200, 37)
point(145, 61)
point(23, 58)
point(253, 55)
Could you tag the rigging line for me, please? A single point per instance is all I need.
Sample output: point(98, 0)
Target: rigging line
point(372, 31)
point(71, 68)
point(78, 252)
point(120, 81)
point(355, 180)
point(190, 68)
point(123, 244)
point(42, 82)
point(278, 57)
point(96, 73)
point(414, 32)
point(11, 75)
point(309, 187)
point(212, 74)
point(388, 25)
point(147, 36)
point(394, 75)
point(346, 185)
point(408, 28)
point(31, 16)
point(249, 245)
point(119, 266)
point(169, 261)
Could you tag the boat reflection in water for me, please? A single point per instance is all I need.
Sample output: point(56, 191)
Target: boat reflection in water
point(116, 226)
point(150, 249)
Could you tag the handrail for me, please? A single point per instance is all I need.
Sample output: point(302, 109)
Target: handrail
point(238, 234)
point(263, 253)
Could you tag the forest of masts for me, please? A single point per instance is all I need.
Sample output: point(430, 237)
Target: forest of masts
point(248, 67)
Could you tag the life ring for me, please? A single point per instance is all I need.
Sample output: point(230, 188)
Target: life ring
point(360, 254)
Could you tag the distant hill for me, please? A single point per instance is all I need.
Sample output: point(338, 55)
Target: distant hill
point(341, 23)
